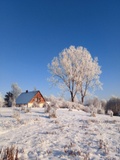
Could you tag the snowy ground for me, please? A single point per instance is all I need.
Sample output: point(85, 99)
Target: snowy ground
point(73, 135)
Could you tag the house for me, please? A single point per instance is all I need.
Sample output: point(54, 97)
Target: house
point(31, 99)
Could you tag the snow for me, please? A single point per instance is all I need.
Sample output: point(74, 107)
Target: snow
point(73, 135)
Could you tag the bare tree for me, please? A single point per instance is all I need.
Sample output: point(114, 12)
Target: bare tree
point(75, 71)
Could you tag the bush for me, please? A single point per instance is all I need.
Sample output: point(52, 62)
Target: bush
point(51, 109)
point(101, 111)
point(110, 112)
point(28, 109)
point(52, 112)
point(16, 113)
point(46, 107)
point(85, 109)
point(114, 105)
point(96, 105)
point(93, 114)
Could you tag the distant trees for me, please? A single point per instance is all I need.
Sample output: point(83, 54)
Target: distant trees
point(95, 102)
point(97, 105)
point(114, 105)
point(104, 106)
point(75, 71)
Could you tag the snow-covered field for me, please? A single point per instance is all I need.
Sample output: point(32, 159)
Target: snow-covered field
point(73, 135)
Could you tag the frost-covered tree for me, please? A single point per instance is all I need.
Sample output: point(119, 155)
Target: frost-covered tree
point(75, 71)
point(1, 100)
point(16, 90)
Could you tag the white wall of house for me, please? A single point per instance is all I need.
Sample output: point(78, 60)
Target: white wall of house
point(41, 104)
point(31, 104)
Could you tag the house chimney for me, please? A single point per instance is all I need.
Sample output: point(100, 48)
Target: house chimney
point(26, 91)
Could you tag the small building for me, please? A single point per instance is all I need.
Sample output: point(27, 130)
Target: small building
point(30, 99)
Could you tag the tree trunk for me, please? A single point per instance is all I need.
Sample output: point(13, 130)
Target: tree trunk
point(72, 97)
point(82, 99)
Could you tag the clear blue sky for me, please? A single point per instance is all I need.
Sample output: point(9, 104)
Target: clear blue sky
point(33, 32)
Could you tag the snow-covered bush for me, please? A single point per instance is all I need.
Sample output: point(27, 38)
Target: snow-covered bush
point(93, 109)
point(1, 100)
point(46, 107)
point(86, 109)
point(96, 105)
point(101, 111)
point(52, 112)
point(114, 105)
point(57, 101)
point(93, 114)
point(50, 108)
point(61, 103)
point(25, 109)
point(28, 109)
point(110, 112)
point(16, 113)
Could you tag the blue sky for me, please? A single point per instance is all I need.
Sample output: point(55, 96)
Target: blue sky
point(33, 32)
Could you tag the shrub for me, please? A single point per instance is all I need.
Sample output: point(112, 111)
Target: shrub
point(110, 112)
point(52, 112)
point(27, 110)
point(51, 109)
point(61, 103)
point(23, 108)
point(16, 113)
point(93, 114)
point(96, 105)
point(46, 107)
point(101, 111)
point(85, 109)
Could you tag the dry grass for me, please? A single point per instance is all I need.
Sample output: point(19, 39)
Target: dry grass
point(9, 153)
point(70, 151)
point(93, 114)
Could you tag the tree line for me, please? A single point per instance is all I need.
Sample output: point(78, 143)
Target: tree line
point(10, 97)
